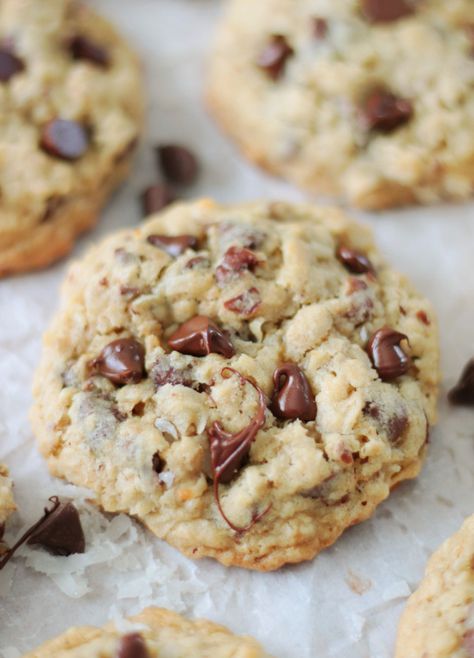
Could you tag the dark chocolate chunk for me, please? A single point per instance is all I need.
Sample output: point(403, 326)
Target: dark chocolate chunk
point(158, 463)
point(273, 57)
point(387, 356)
point(200, 336)
point(354, 261)
point(10, 65)
point(122, 361)
point(64, 139)
point(292, 395)
point(173, 245)
point(235, 261)
point(156, 197)
point(319, 27)
point(228, 451)
point(386, 11)
point(463, 392)
point(178, 164)
point(83, 48)
point(132, 645)
point(245, 304)
point(383, 111)
point(61, 532)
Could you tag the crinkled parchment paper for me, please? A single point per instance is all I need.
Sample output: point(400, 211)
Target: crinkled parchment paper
point(346, 603)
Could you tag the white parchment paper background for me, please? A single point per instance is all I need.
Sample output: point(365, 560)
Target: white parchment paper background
point(346, 603)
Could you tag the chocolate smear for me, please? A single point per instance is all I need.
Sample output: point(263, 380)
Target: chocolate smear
point(10, 65)
point(387, 357)
point(228, 451)
point(122, 361)
point(200, 336)
point(132, 645)
point(156, 197)
point(173, 245)
point(292, 395)
point(236, 260)
point(383, 111)
point(245, 304)
point(273, 57)
point(354, 261)
point(463, 392)
point(386, 11)
point(64, 139)
point(83, 48)
point(179, 164)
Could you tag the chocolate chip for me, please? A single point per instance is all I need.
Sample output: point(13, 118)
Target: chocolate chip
point(292, 396)
point(387, 356)
point(200, 336)
point(158, 463)
point(353, 260)
point(64, 139)
point(178, 164)
point(173, 245)
point(383, 112)
point(156, 197)
point(10, 65)
point(273, 57)
point(463, 392)
point(132, 645)
point(83, 48)
point(235, 261)
point(386, 11)
point(61, 532)
point(422, 317)
point(198, 263)
point(122, 361)
point(245, 304)
point(2, 531)
point(393, 425)
point(319, 27)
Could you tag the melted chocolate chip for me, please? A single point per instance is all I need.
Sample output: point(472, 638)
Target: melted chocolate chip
point(162, 372)
point(158, 463)
point(200, 336)
point(319, 27)
point(383, 112)
point(463, 392)
point(228, 451)
point(83, 48)
point(386, 11)
point(235, 261)
point(64, 139)
point(132, 645)
point(394, 425)
point(156, 197)
point(273, 57)
point(423, 317)
point(61, 533)
point(245, 304)
point(173, 245)
point(10, 65)
point(387, 356)
point(178, 164)
point(122, 361)
point(354, 261)
point(292, 395)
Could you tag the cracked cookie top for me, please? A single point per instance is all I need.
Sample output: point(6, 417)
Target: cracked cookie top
point(248, 380)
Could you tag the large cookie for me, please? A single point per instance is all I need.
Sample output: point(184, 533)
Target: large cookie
point(438, 621)
point(71, 109)
point(371, 100)
point(161, 633)
point(181, 376)
point(7, 504)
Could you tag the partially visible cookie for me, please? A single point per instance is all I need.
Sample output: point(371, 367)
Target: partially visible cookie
point(369, 100)
point(438, 621)
point(7, 504)
point(161, 633)
point(247, 380)
point(71, 110)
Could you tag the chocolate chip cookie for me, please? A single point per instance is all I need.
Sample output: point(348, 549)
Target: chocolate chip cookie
point(71, 109)
point(370, 100)
point(161, 632)
point(248, 380)
point(438, 621)
point(7, 504)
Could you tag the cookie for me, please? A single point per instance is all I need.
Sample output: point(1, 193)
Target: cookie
point(369, 100)
point(248, 380)
point(161, 633)
point(438, 621)
point(71, 104)
point(7, 504)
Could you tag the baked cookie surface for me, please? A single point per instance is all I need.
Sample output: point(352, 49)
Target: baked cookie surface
point(225, 367)
point(7, 504)
point(71, 110)
point(438, 621)
point(370, 100)
point(161, 633)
